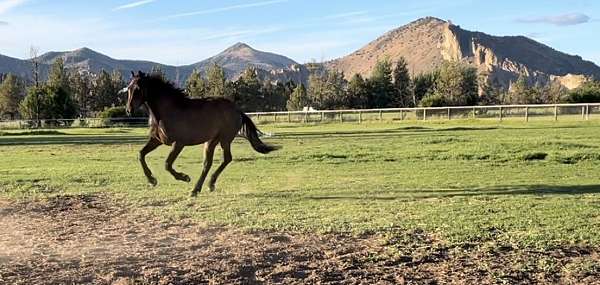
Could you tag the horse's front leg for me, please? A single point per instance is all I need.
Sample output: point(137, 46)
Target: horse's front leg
point(175, 151)
point(151, 145)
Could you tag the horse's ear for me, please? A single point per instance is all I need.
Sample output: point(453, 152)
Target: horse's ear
point(140, 73)
point(132, 74)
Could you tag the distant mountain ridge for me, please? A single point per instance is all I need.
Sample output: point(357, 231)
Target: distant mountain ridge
point(425, 43)
point(234, 61)
point(428, 42)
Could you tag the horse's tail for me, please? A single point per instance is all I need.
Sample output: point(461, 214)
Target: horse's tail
point(251, 133)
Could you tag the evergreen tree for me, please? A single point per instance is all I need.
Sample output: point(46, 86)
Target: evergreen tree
point(334, 95)
point(404, 93)
point(12, 91)
point(35, 105)
point(105, 91)
point(81, 86)
point(217, 82)
point(316, 90)
point(247, 91)
point(357, 93)
point(299, 99)
point(382, 86)
point(58, 77)
point(195, 85)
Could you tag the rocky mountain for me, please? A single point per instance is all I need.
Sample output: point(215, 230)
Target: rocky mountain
point(425, 43)
point(428, 42)
point(234, 60)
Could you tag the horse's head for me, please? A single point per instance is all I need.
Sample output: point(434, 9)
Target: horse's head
point(136, 94)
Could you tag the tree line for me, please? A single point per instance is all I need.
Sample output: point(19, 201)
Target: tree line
point(69, 94)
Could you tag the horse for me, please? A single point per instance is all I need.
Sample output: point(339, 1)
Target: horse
point(179, 121)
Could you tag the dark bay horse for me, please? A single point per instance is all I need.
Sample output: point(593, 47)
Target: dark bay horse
point(179, 121)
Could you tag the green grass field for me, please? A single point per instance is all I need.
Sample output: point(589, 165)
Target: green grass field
point(529, 185)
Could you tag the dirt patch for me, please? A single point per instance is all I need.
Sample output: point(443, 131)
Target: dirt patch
point(95, 240)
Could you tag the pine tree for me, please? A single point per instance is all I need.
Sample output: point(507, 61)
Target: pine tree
point(402, 83)
point(298, 99)
point(357, 93)
point(382, 88)
point(217, 82)
point(105, 91)
point(195, 85)
point(12, 91)
point(81, 86)
point(58, 92)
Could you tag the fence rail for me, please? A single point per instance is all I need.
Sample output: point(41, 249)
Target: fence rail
point(499, 112)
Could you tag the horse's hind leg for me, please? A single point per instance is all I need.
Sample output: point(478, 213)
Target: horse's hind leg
point(209, 151)
point(151, 145)
point(226, 146)
point(175, 151)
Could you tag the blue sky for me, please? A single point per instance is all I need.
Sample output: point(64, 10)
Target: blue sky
point(184, 32)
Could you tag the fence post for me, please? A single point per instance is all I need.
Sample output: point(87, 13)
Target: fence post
point(359, 117)
point(526, 114)
point(474, 117)
point(289, 117)
point(380, 115)
point(555, 113)
point(275, 117)
point(500, 113)
point(401, 115)
point(587, 112)
point(341, 117)
point(582, 112)
point(424, 114)
point(322, 116)
point(305, 117)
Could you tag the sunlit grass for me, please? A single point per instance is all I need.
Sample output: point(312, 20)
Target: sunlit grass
point(533, 184)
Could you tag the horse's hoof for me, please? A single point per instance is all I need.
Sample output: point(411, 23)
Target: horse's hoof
point(184, 178)
point(212, 188)
point(195, 193)
point(152, 181)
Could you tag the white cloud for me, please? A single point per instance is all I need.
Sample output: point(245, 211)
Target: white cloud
point(133, 5)
point(345, 15)
point(558, 20)
point(7, 5)
point(224, 9)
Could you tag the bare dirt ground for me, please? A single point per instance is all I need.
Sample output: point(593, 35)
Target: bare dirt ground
point(95, 240)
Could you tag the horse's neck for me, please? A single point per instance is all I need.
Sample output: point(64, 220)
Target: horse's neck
point(158, 108)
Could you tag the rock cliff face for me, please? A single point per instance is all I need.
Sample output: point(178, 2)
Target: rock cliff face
point(428, 42)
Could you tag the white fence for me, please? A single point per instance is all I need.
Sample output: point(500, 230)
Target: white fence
point(498, 112)
point(523, 113)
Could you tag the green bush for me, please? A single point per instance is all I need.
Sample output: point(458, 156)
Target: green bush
point(433, 100)
point(120, 112)
point(589, 92)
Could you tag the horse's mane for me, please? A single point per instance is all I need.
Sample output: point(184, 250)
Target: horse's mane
point(161, 87)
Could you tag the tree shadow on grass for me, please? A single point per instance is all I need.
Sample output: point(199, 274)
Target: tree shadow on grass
point(402, 195)
point(72, 139)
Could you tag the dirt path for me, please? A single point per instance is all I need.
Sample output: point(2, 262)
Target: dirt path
point(93, 240)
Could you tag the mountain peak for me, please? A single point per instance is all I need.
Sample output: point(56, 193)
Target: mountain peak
point(427, 20)
point(238, 46)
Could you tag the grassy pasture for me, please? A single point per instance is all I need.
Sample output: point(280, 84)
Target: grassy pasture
point(529, 185)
